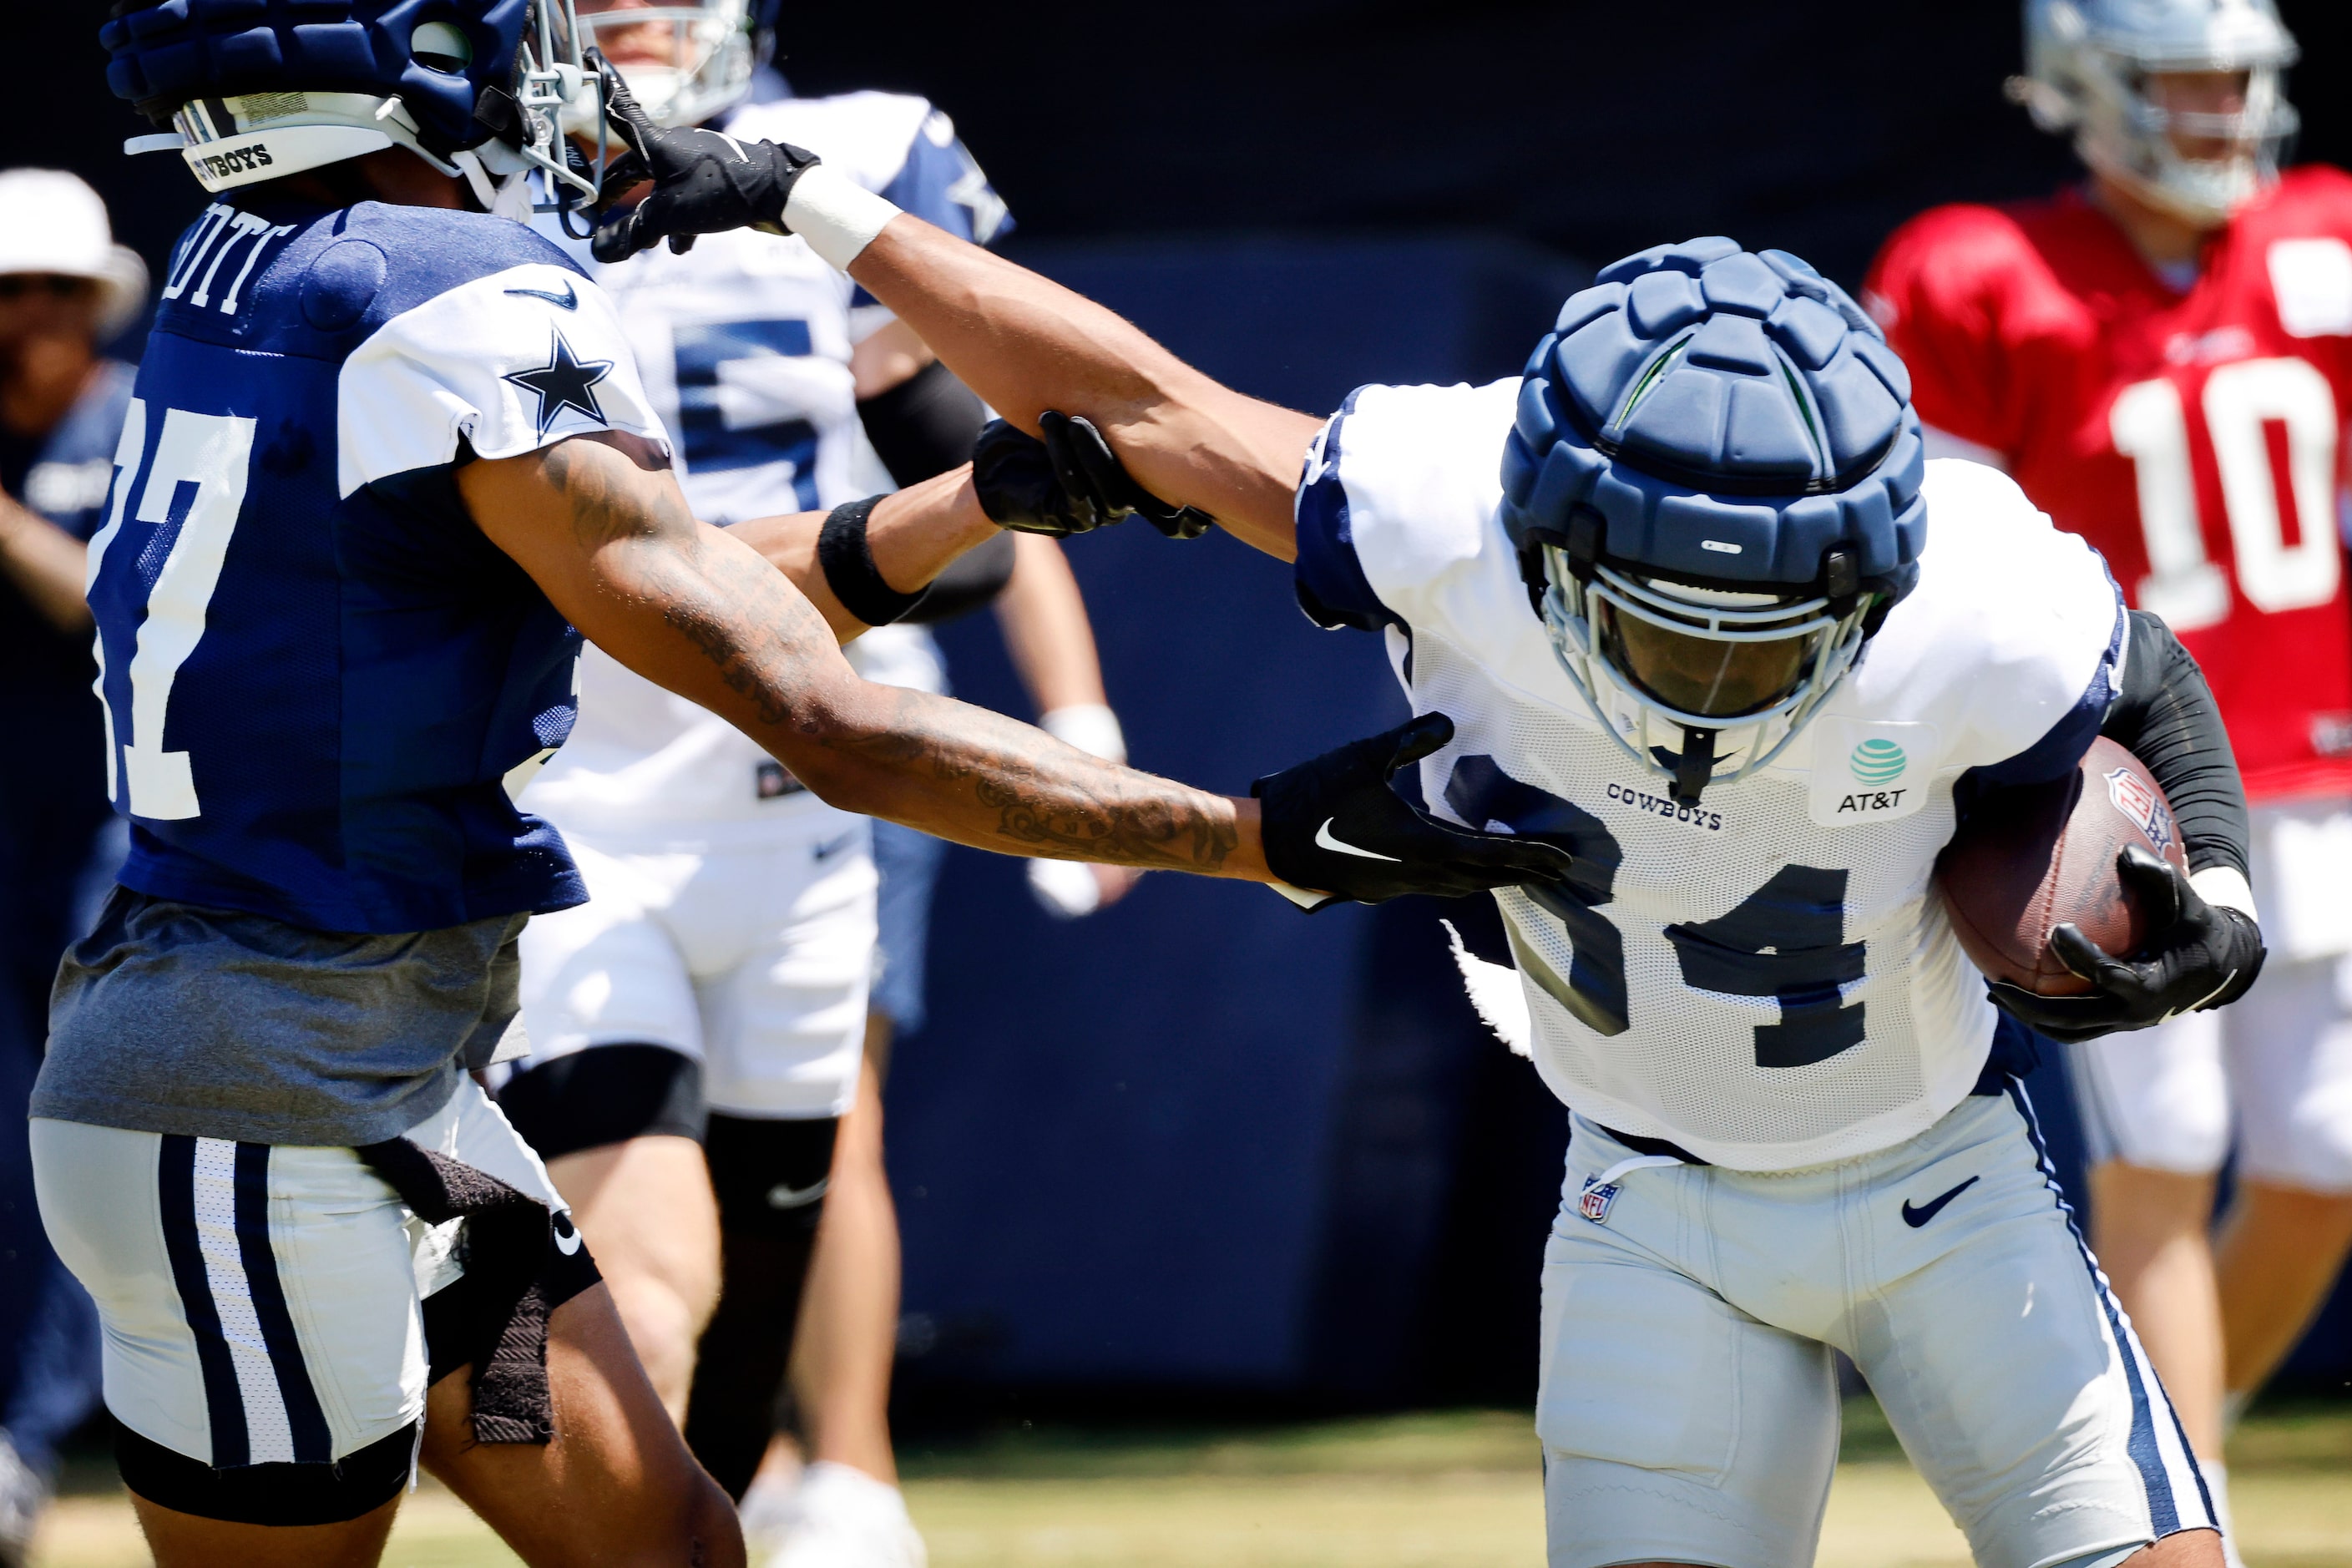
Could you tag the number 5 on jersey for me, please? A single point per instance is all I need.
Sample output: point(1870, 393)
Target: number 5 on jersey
point(193, 493)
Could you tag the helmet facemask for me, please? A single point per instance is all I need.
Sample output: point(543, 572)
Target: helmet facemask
point(2095, 77)
point(1713, 485)
point(1737, 674)
point(705, 67)
point(558, 92)
point(2135, 140)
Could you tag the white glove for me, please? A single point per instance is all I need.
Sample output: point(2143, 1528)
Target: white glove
point(1071, 889)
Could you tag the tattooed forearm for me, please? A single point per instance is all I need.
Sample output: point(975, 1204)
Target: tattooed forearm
point(702, 614)
point(1046, 798)
point(737, 611)
point(738, 629)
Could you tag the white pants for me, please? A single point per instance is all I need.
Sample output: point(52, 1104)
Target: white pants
point(260, 1303)
point(2272, 1069)
point(752, 958)
point(1688, 1407)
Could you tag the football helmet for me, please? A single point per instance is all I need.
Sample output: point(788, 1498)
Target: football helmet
point(1713, 484)
point(2087, 64)
point(482, 88)
point(702, 55)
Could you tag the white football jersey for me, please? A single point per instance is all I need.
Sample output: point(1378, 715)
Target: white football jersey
point(743, 344)
point(1764, 978)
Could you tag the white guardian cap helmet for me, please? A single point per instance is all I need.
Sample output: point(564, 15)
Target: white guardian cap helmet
point(2087, 69)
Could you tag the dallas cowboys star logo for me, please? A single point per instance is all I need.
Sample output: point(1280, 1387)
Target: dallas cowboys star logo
point(564, 382)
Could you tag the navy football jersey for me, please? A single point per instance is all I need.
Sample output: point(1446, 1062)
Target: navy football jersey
point(323, 685)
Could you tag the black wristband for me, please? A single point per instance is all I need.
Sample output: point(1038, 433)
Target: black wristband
point(849, 569)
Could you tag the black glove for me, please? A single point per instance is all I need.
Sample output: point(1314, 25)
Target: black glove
point(1070, 482)
point(2201, 956)
point(704, 182)
point(1334, 826)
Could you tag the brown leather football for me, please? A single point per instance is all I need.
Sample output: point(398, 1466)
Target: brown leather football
point(2031, 860)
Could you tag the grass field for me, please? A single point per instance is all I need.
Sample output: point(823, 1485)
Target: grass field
point(1447, 1490)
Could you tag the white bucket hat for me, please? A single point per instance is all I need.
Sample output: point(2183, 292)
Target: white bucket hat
point(56, 223)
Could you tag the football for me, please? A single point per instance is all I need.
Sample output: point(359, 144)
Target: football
point(2037, 859)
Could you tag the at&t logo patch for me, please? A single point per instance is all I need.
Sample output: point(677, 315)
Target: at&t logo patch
point(1877, 761)
point(2133, 797)
point(1866, 771)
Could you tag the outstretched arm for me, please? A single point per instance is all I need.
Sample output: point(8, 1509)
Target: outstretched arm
point(1023, 344)
point(598, 522)
point(604, 532)
point(914, 534)
point(1027, 344)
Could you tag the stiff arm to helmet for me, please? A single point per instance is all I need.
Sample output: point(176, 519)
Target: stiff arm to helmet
point(1715, 459)
point(1775, 470)
point(1184, 438)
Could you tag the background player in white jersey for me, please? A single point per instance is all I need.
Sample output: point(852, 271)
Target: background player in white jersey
point(2122, 348)
point(383, 455)
point(723, 957)
point(1703, 591)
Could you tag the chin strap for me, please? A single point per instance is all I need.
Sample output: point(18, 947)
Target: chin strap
point(1696, 767)
point(509, 198)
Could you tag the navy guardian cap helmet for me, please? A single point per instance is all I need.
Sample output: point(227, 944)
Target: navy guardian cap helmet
point(253, 90)
point(1713, 484)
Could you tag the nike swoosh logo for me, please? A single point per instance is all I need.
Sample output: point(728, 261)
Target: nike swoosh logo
point(566, 300)
point(1916, 1217)
point(828, 850)
point(567, 1235)
point(784, 1195)
point(1324, 840)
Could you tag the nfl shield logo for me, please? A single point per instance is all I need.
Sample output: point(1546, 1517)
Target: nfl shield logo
point(2132, 796)
point(1594, 1204)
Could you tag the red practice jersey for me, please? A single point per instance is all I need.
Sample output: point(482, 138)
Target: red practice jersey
point(2193, 438)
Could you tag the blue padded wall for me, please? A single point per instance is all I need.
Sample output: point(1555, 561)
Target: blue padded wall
point(1110, 1145)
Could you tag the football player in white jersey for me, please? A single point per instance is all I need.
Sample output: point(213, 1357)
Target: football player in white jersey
point(722, 963)
point(1679, 587)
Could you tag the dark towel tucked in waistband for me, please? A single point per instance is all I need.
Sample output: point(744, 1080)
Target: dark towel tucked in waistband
point(515, 1276)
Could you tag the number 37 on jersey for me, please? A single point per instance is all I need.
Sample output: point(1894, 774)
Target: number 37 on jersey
point(192, 493)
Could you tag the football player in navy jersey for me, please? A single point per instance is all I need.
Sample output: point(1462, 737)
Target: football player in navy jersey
point(385, 452)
